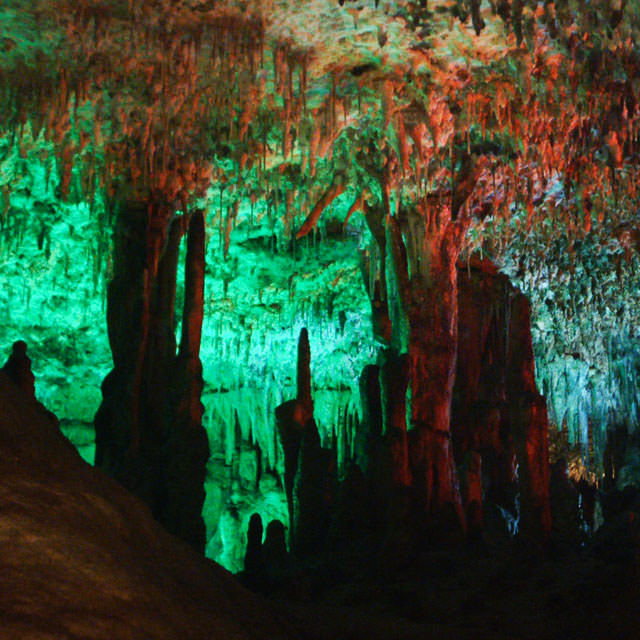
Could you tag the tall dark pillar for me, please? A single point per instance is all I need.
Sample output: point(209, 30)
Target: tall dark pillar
point(148, 428)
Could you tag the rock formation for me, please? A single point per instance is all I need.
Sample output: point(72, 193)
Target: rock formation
point(498, 434)
point(81, 558)
point(149, 433)
point(306, 475)
point(496, 410)
point(18, 368)
point(498, 428)
point(254, 574)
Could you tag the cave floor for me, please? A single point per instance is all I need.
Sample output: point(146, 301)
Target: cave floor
point(471, 593)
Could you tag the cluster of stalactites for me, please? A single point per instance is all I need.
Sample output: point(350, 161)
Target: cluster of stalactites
point(520, 15)
point(247, 416)
point(146, 93)
point(143, 92)
point(535, 129)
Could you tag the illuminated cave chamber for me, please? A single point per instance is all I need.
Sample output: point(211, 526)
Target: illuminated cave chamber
point(256, 302)
point(304, 253)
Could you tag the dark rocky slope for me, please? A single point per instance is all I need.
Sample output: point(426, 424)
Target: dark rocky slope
point(82, 558)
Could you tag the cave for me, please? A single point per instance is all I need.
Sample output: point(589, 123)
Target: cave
point(320, 319)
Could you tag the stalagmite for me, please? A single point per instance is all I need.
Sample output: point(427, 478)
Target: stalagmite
point(497, 411)
point(306, 462)
point(187, 440)
point(311, 515)
point(148, 429)
point(114, 422)
point(528, 416)
point(472, 494)
point(393, 387)
point(303, 375)
point(371, 426)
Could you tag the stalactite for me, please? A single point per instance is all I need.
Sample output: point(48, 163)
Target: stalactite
point(327, 198)
point(387, 101)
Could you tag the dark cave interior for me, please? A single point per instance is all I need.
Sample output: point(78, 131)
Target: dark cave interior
point(345, 296)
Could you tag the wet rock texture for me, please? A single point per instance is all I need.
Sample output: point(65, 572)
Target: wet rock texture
point(81, 558)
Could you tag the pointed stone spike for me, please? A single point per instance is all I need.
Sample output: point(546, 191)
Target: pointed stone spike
point(304, 372)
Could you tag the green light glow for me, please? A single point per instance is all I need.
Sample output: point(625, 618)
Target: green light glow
point(256, 301)
point(54, 263)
